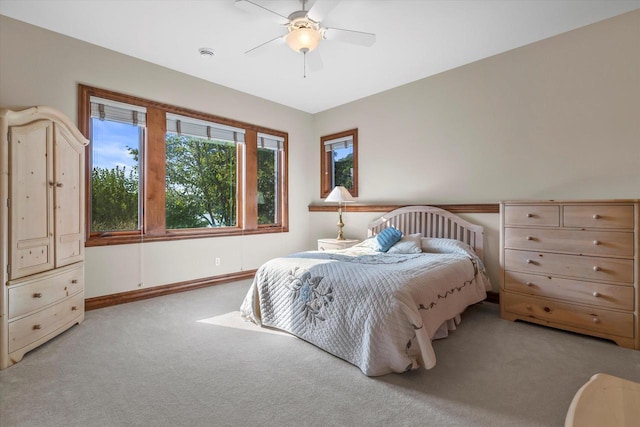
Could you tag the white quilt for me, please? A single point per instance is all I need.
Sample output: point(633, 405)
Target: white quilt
point(377, 311)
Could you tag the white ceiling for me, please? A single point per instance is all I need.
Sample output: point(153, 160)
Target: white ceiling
point(415, 38)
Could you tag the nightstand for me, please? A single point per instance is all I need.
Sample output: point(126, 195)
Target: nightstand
point(328, 244)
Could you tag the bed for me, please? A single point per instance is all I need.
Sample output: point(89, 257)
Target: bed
point(377, 310)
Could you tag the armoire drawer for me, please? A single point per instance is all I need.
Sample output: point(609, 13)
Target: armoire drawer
point(33, 294)
point(531, 215)
point(24, 331)
point(596, 243)
point(611, 270)
point(589, 318)
point(620, 297)
point(598, 216)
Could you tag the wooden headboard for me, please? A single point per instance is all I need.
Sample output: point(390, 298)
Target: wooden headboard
point(431, 222)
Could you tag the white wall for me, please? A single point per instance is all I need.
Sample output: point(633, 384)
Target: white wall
point(559, 118)
point(556, 119)
point(39, 67)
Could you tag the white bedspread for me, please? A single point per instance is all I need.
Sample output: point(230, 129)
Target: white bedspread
point(377, 311)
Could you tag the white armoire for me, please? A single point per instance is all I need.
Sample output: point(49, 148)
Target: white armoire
point(42, 229)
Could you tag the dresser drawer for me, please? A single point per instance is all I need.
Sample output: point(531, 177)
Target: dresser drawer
point(30, 295)
point(593, 319)
point(546, 216)
point(597, 243)
point(582, 267)
point(598, 216)
point(599, 294)
point(29, 329)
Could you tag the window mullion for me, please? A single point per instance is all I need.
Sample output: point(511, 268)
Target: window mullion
point(154, 199)
point(250, 181)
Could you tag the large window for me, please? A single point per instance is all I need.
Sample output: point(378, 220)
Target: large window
point(201, 173)
point(158, 172)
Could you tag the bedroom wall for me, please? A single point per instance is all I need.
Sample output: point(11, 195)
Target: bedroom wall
point(554, 119)
point(39, 67)
point(557, 119)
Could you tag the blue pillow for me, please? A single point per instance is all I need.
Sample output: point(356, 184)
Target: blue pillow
point(387, 238)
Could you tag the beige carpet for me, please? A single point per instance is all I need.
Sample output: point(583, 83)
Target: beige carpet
point(234, 320)
point(188, 360)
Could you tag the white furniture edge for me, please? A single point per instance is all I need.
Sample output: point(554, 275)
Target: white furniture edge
point(605, 400)
point(17, 118)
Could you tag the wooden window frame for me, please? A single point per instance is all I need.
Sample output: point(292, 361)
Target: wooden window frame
point(326, 161)
point(153, 167)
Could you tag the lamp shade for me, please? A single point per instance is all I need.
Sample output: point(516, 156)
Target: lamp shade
point(303, 39)
point(339, 194)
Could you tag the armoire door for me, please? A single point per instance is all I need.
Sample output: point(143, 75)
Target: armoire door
point(31, 198)
point(69, 198)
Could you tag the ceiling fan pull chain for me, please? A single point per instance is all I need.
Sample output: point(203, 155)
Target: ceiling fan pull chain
point(304, 64)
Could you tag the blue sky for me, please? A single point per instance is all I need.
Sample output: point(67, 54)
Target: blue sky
point(342, 153)
point(110, 142)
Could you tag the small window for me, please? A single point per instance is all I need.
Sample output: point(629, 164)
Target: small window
point(117, 136)
point(339, 162)
point(270, 166)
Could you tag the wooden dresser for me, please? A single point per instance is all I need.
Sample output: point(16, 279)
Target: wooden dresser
point(41, 229)
point(573, 265)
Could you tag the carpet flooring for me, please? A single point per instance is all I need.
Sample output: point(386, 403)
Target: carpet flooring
point(188, 360)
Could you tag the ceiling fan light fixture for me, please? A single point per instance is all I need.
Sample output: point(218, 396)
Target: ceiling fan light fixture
point(304, 39)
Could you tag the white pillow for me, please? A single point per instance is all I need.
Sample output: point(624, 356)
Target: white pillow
point(409, 244)
point(449, 246)
point(370, 243)
point(445, 246)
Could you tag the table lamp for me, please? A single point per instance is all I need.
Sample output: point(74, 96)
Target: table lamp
point(340, 195)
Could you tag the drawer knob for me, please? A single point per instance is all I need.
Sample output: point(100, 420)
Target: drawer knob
point(74, 308)
point(596, 294)
point(529, 261)
point(529, 215)
point(529, 284)
point(596, 320)
point(547, 310)
point(596, 242)
point(59, 184)
point(36, 327)
point(529, 238)
point(596, 268)
point(37, 295)
point(74, 281)
point(596, 216)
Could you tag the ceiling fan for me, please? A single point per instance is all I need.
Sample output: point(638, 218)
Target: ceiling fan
point(303, 30)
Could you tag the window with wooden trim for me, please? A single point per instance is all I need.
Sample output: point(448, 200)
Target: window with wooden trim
point(339, 162)
point(159, 172)
point(117, 136)
point(270, 164)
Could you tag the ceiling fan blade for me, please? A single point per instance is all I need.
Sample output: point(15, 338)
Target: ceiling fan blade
point(319, 10)
point(265, 46)
point(314, 60)
point(349, 36)
point(257, 9)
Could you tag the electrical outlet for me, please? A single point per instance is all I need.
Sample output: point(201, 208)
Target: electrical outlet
point(217, 261)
